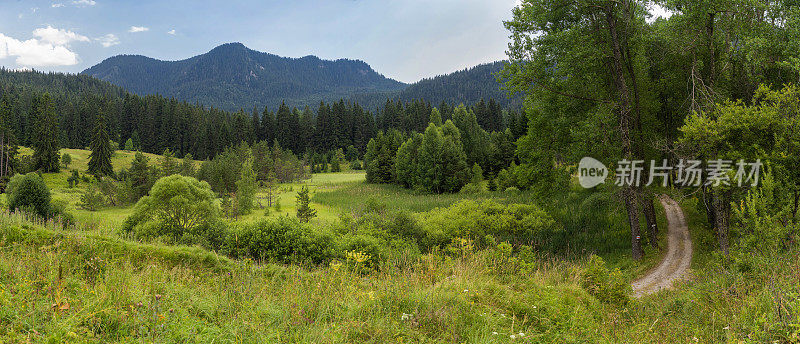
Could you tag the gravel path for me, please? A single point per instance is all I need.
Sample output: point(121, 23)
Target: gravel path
point(679, 255)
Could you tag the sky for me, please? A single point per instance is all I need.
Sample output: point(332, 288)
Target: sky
point(406, 40)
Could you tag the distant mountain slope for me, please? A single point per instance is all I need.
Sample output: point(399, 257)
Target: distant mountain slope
point(467, 86)
point(231, 76)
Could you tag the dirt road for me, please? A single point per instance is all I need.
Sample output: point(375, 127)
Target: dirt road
point(679, 253)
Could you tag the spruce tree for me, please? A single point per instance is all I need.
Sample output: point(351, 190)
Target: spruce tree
point(168, 164)
point(100, 159)
point(46, 146)
point(304, 211)
point(429, 167)
point(187, 166)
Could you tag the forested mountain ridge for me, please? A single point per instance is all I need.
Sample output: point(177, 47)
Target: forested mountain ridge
point(231, 77)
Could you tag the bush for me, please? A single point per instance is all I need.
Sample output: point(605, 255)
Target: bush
point(283, 240)
point(516, 223)
point(29, 191)
point(177, 207)
point(92, 199)
point(607, 286)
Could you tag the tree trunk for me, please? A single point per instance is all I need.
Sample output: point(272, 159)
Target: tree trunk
point(624, 108)
point(708, 205)
point(631, 201)
point(650, 216)
point(721, 214)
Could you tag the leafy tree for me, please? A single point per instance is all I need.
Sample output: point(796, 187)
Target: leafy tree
point(177, 206)
point(100, 158)
point(29, 192)
point(304, 211)
point(46, 146)
point(246, 188)
point(66, 159)
point(91, 199)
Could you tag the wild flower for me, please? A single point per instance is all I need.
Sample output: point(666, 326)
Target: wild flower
point(406, 316)
point(335, 265)
point(513, 336)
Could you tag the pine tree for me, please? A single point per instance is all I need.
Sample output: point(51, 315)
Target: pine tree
point(46, 146)
point(141, 176)
point(436, 117)
point(168, 164)
point(8, 143)
point(304, 211)
point(187, 166)
point(100, 159)
point(429, 167)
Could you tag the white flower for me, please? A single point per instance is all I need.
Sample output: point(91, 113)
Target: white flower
point(494, 333)
point(521, 334)
point(503, 315)
point(405, 316)
point(513, 336)
point(465, 290)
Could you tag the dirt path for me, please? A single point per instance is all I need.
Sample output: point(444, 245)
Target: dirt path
point(679, 253)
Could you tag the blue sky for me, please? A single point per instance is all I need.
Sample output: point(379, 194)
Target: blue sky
point(403, 39)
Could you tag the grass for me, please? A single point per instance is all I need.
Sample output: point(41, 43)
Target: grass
point(68, 287)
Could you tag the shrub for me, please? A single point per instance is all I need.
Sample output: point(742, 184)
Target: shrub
point(175, 208)
point(29, 191)
point(516, 223)
point(283, 239)
point(91, 199)
point(607, 286)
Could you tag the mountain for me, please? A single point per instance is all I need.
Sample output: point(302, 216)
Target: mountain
point(231, 77)
point(467, 86)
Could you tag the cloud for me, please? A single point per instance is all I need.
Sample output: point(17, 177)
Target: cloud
point(58, 36)
point(108, 40)
point(57, 5)
point(135, 29)
point(171, 32)
point(84, 2)
point(36, 53)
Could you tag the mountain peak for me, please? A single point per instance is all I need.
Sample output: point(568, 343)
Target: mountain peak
point(232, 76)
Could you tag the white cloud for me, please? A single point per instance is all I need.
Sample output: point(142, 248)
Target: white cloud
point(171, 32)
point(135, 29)
point(84, 2)
point(36, 53)
point(57, 5)
point(108, 40)
point(58, 36)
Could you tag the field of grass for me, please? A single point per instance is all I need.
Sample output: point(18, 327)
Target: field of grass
point(73, 287)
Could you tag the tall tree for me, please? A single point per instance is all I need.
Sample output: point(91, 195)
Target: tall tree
point(100, 159)
point(46, 145)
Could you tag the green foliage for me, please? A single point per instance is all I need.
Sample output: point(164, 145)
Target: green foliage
point(187, 166)
point(100, 159)
point(169, 165)
point(141, 177)
point(129, 145)
point(92, 199)
point(74, 179)
point(246, 188)
point(283, 240)
point(66, 159)
point(46, 145)
point(607, 286)
point(28, 192)
point(178, 209)
point(304, 211)
point(518, 224)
